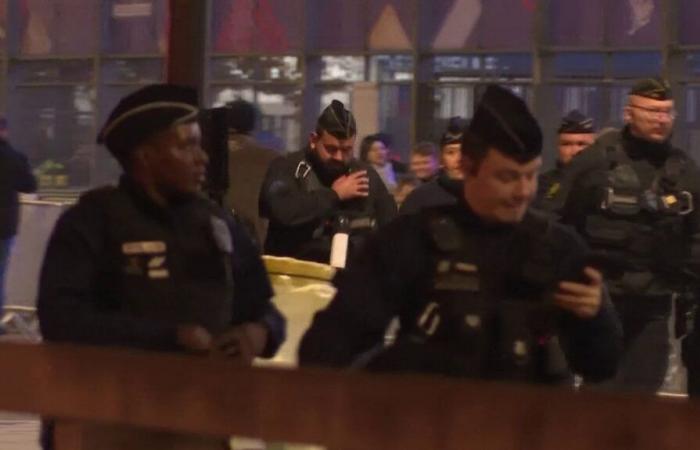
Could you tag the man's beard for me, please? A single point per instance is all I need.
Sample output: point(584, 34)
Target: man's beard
point(328, 171)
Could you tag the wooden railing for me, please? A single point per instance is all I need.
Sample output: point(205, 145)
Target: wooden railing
point(340, 410)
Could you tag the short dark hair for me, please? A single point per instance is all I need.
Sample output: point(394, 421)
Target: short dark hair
point(424, 148)
point(367, 144)
point(242, 116)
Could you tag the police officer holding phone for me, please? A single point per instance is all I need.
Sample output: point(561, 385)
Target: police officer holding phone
point(310, 195)
point(484, 288)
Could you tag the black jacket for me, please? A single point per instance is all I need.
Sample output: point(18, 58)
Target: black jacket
point(15, 176)
point(298, 212)
point(393, 276)
point(120, 270)
point(440, 191)
point(641, 253)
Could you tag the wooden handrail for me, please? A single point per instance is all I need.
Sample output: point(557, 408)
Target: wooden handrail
point(341, 410)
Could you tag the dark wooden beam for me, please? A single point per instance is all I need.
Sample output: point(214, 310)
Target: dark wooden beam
point(188, 35)
point(345, 410)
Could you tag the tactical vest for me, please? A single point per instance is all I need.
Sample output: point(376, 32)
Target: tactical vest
point(638, 226)
point(174, 271)
point(356, 217)
point(463, 330)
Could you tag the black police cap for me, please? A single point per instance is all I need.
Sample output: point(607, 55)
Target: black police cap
point(337, 121)
point(503, 121)
point(454, 131)
point(145, 112)
point(576, 123)
point(654, 88)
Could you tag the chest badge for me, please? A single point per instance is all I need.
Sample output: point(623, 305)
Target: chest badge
point(553, 190)
point(146, 258)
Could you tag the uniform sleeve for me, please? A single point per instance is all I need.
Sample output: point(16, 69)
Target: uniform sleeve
point(68, 306)
point(368, 297)
point(593, 346)
point(253, 292)
point(284, 201)
point(384, 203)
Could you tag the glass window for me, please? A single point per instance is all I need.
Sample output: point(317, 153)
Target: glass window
point(264, 68)
point(688, 30)
point(343, 68)
point(576, 23)
point(57, 132)
point(343, 94)
point(470, 67)
point(391, 24)
point(52, 71)
point(135, 27)
point(634, 23)
point(335, 25)
point(506, 24)
point(586, 99)
point(635, 64)
point(280, 119)
point(580, 65)
point(391, 68)
point(132, 71)
point(48, 27)
point(395, 117)
point(691, 142)
point(692, 65)
point(250, 26)
point(457, 24)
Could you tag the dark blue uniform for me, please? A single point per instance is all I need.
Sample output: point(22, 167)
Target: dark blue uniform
point(471, 300)
point(440, 191)
point(635, 202)
point(121, 270)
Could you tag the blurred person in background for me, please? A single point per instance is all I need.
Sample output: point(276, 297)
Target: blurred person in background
point(575, 133)
point(248, 162)
point(446, 187)
point(423, 162)
point(15, 176)
point(373, 151)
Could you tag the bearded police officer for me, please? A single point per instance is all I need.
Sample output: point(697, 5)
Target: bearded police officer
point(311, 194)
point(484, 288)
point(633, 196)
point(575, 133)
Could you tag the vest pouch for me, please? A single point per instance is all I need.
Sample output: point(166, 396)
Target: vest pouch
point(635, 283)
point(518, 348)
point(607, 232)
point(620, 203)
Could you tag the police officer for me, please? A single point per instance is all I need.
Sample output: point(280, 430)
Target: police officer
point(310, 195)
point(633, 196)
point(446, 187)
point(575, 133)
point(483, 288)
point(151, 264)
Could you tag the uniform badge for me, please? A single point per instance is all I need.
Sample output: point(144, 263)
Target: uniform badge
point(146, 258)
point(553, 190)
